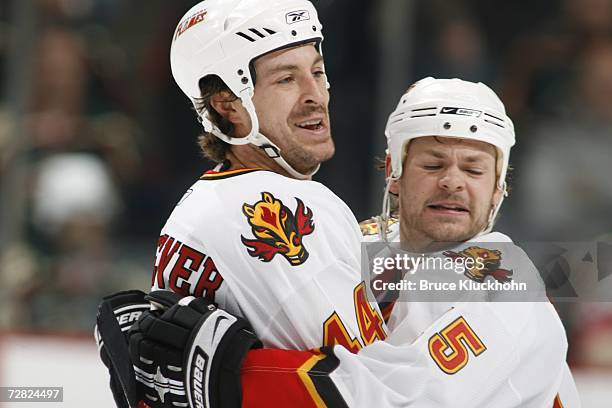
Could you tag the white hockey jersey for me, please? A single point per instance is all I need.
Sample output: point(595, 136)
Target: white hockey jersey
point(438, 354)
point(525, 343)
point(280, 252)
point(410, 320)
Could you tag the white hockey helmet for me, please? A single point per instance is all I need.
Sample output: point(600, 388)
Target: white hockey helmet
point(224, 37)
point(450, 108)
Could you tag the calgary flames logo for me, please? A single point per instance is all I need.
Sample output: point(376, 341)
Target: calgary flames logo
point(277, 230)
point(491, 258)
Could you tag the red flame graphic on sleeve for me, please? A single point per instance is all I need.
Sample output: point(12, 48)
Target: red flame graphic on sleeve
point(491, 269)
point(303, 217)
point(262, 250)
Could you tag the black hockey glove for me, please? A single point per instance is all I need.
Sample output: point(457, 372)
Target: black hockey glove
point(188, 353)
point(116, 314)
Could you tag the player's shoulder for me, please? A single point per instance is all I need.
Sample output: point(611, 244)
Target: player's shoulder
point(370, 229)
point(241, 181)
point(219, 200)
point(216, 191)
point(493, 236)
point(213, 198)
point(233, 179)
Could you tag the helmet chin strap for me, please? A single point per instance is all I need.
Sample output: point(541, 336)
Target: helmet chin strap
point(494, 211)
point(383, 219)
point(255, 138)
point(274, 152)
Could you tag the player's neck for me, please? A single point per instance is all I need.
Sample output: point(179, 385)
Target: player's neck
point(416, 242)
point(251, 157)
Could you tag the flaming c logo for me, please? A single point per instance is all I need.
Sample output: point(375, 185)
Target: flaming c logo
point(277, 230)
point(491, 258)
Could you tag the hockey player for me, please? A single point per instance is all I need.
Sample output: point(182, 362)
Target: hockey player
point(449, 143)
point(256, 235)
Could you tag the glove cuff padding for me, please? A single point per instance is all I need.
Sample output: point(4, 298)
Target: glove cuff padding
point(116, 314)
point(229, 383)
point(163, 299)
point(225, 339)
point(185, 351)
point(124, 298)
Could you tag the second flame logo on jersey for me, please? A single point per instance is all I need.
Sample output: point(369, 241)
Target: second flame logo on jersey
point(491, 258)
point(277, 230)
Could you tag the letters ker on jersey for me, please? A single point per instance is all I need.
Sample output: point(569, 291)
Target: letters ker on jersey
point(277, 230)
point(182, 262)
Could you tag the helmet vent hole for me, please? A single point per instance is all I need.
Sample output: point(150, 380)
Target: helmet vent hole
point(293, 33)
point(255, 34)
point(240, 72)
point(246, 37)
point(494, 120)
point(314, 28)
point(494, 123)
point(254, 31)
point(446, 125)
point(244, 80)
point(493, 116)
point(473, 128)
point(422, 112)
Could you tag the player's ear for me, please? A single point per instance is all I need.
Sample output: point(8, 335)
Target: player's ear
point(230, 107)
point(497, 195)
point(394, 188)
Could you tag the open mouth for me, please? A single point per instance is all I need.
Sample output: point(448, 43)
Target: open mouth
point(313, 124)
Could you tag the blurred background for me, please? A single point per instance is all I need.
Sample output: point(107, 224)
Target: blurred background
point(97, 143)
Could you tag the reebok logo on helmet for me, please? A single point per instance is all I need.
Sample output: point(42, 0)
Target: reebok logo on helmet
point(296, 16)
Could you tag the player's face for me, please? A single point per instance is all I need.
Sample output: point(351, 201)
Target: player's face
point(291, 100)
point(447, 189)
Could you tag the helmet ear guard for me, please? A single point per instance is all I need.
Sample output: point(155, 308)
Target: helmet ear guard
point(224, 37)
point(450, 108)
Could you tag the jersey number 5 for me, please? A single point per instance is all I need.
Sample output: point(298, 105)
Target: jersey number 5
point(449, 347)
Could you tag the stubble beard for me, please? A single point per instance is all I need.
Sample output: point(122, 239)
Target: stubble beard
point(303, 158)
point(420, 232)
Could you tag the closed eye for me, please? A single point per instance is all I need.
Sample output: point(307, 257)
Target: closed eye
point(285, 80)
point(432, 167)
